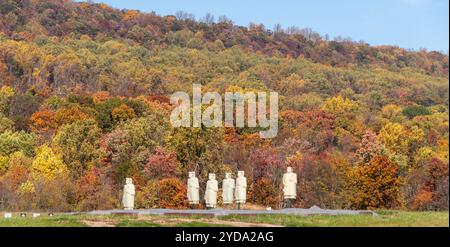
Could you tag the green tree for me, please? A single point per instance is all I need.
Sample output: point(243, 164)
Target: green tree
point(11, 142)
point(129, 146)
point(198, 148)
point(415, 110)
point(79, 145)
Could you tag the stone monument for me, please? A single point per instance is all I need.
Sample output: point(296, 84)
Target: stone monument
point(228, 186)
point(241, 189)
point(193, 189)
point(289, 186)
point(128, 194)
point(211, 191)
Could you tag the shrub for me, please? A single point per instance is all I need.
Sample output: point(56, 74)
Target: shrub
point(10, 182)
point(52, 194)
point(94, 191)
point(147, 196)
point(172, 194)
point(265, 193)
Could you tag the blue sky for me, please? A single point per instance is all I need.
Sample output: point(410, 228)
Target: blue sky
point(407, 23)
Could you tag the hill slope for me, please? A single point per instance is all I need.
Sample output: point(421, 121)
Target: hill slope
point(84, 103)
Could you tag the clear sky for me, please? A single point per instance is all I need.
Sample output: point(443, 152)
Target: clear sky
point(407, 23)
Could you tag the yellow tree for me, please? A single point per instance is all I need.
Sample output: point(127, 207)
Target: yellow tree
point(6, 94)
point(47, 164)
point(393, 136)
point(345, 111)
point(339, 106)
point(3, 164)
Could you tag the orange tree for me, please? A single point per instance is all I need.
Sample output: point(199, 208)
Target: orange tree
point(172, 193)
point(376, 184)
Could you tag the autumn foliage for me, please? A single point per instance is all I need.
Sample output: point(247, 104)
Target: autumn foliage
point(376, 184)
point(172, 193)
point(162, 165)
point(43, 121)
point(85, 103)
point(433, 192)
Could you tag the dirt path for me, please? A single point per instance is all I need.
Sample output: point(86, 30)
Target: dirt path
point(99, 223)
point(232, 223)
point(213, 221)
point(169, 221)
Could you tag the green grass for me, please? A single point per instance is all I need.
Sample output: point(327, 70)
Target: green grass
point(137, 223)
point(386, 218)
point(199, 224)
point(44, 221)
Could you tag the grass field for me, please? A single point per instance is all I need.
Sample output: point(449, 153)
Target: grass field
point(385, 218)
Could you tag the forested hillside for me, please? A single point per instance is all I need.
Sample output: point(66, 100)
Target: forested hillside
point(84, 103)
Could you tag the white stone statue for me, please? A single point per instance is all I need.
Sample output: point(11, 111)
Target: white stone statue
point(290, 184)
point(212, 187)
point(128, 194)
point(193, 189)
point(228, 186)
point(241, 188)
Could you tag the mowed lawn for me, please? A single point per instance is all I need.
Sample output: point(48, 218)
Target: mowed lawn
point(384, 219)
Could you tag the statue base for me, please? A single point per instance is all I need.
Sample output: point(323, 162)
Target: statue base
point(288, 202)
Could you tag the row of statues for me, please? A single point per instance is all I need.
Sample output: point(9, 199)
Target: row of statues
point(232, 191)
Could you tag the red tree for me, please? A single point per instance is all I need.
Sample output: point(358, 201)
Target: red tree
point(162, 164)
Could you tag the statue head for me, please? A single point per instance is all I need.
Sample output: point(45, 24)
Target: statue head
point(212, 176)
point(227, 175)
point(128, 180)
point(241, 173)
point(289, 169)
point(191, 174)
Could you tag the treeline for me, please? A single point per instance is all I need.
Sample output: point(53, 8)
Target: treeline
point(31, 19)
point(84, 104)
